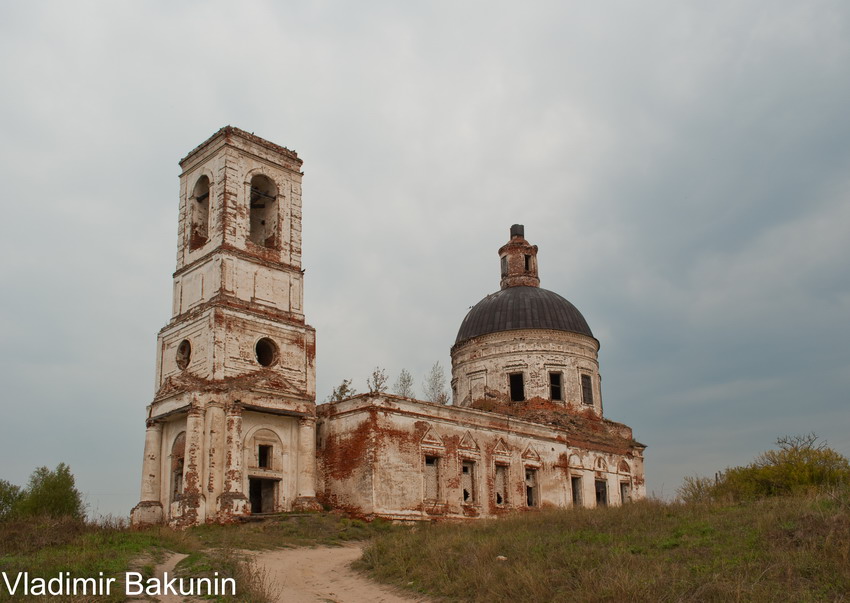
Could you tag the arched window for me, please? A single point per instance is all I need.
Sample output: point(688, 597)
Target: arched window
point(178, 453)
point(200, 213)
point(263, 207)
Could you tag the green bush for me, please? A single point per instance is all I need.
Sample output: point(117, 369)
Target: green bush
point(10, 496)
point(51, 493)
point(800, 464)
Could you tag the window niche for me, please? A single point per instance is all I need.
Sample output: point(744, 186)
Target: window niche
point(517, 385)
point(586, 390)
point(178, 453)
point(266, 351)
point(575, 485)
point(200, 213)
point(432, 477)
point(531, 489)
point(184, 354)
point(468, 482)
point(500, 485)
point(263, 208)
point(601, 493)
point(625, 492)
point(265, 454)
point(556, 387)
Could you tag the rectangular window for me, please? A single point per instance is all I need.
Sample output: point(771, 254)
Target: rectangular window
point(501, 485)
point(575, 483)
point(601, 493)
point(504, 265)
point(625, 492)
point(468, 482)
point(527, 263)
point(555, 389)
point(476, 386)
point(517, 387)
point(264, 457)
point(432, 478)
point(177, 480)
point(531, 494)
point(586, 390)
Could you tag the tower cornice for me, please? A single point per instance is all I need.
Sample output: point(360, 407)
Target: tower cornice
point(228, 136)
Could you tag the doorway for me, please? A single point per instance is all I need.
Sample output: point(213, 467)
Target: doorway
point(262, 494)
point(601, 493)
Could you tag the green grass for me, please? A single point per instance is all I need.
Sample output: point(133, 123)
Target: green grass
point(45, 547)
point(795, 548)
point(777, 549)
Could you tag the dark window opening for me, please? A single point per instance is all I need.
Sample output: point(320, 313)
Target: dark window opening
point(601, 493)
point(432, 477)
point(264, 457)
point(266, 351)
point(178, 450)
point(261, 493)
point(555, 389)
point(575, 483)
point(468, 481)
point(177, 480)
point(200, 213)
point(586, 390)
point(504, 265)
point(625, 492)
point(517, 387)
point(263, 207)
point(527, 263)
point(501, 484)
point(531, 487)
point(184, 354)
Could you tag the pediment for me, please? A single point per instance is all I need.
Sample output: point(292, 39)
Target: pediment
point(468, 442)
point(432, 438)
point(531, 454)
point(502, 448)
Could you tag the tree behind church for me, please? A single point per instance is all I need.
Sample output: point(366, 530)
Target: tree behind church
point(435, 385)
point(51, 493)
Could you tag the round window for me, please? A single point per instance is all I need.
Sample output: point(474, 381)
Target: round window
point(266, 351)
point(184, 354)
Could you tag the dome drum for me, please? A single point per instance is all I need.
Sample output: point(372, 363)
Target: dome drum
point(524, 342)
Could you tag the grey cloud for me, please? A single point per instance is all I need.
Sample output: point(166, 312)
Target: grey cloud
point(683, 170)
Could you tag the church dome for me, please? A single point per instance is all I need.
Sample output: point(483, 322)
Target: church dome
point(522, 307)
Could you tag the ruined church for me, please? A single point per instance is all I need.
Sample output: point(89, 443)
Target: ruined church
point(234, 428)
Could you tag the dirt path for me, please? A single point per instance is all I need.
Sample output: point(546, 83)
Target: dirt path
point(322, 574)
point(168, 566)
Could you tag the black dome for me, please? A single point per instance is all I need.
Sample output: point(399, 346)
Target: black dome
point(522, 308)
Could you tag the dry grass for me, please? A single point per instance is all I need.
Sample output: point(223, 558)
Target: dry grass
point(795, 548)
point(44, 547)
point(290, 530)
point(777, 549)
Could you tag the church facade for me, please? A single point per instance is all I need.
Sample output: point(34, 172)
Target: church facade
point(234, 428)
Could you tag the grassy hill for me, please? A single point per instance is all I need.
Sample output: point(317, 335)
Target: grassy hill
point(782, 548)
point(779, 549)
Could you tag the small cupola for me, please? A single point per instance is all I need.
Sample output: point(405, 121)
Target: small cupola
point(519, 261)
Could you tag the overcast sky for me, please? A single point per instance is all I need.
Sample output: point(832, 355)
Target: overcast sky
point(683, 167)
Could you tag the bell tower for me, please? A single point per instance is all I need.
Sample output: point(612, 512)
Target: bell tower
point(231, 429)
